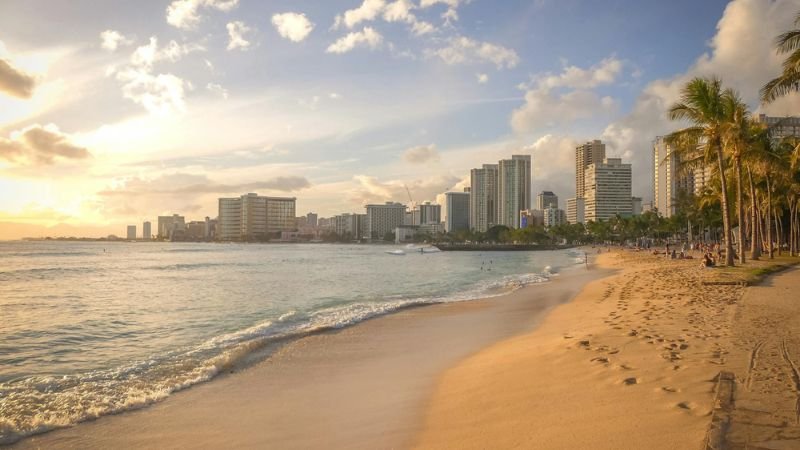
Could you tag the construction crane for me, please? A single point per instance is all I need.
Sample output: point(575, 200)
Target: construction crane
point(410, 200)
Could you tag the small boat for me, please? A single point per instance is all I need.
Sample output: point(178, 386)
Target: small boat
point(396, 252)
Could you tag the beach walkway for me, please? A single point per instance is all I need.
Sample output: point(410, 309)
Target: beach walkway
point(765, 358)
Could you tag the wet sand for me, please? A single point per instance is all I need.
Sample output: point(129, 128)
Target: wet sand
point(365, 386)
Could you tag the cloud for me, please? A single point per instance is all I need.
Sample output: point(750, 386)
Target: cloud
point(421, 154)
point(14, 81)
point(160, 94)
point(562, 98)
point(367, 37)
point(183, 183)
point(554, 165)
point(185, 14)
point(451, 15)
point(40, 145)
point(292, 26)
point(368, 11)
point(741, 53)
point(369, 189)
point(111, 40)
point(464, 50)
point(482, 78)
point(217, 89)
point(236, 32)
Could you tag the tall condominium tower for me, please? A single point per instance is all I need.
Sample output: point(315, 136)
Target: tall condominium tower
point(456, 211)
point(546, 199)
point(593, 152)
point(483, 197)
point(382, 219)
point(668, 179)
point(608, 190)
point(514, 193)
point(147, 234)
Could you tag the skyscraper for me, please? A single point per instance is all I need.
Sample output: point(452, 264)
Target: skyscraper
point(593, 152)
point(514, 189)
point(576, 210)
point(132, 232)
point(668, 179)
point(608, 190)
point(311, 219)
point(483, 197)
point(167, 225)
point(546, 199)
point(456, 207)
point(146, 232)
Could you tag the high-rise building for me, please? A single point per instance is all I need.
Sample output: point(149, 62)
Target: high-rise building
point(456, 207)
point(668, 178)
point(146, 232)
point(546, 199)
point(780, 127)
point(514, 189)
point(382, 219)
point(429, 213)
point(169, 225)
point(132, 232)
point(311, 219)
point(253, 217)
point(608, 190)
point(593, 152)
point(576, 210)
point(483, 197)
point(553, 217)
point(349, 225)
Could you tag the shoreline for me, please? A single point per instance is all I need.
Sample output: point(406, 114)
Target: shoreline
point(404, 350)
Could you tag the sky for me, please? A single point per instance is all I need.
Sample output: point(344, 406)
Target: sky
point(115, 112)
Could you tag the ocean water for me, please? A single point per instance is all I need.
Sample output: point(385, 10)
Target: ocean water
point(88, 329)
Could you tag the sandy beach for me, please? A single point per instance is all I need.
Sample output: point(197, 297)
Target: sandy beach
point(365, 386)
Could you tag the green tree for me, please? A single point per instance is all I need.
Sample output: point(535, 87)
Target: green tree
point(702, 104)
point(788, 81)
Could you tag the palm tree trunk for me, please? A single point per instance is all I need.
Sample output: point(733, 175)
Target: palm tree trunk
point(779, 232)
point(740, 208)
point(755, 246)
point(768, 218)
point(726, 213)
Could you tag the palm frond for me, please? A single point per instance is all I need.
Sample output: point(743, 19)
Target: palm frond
point(786, 83)
point(788, 42)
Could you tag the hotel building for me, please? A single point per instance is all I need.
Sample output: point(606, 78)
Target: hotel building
point(576, 210)
point(382, 219)
point(593, 152)
point(146, 232)
point(546, 199)
point(254, 217)
point(169, 225)
point(668, 179)
point(607, 190)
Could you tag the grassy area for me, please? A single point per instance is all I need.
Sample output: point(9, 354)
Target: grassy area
point(752, 272)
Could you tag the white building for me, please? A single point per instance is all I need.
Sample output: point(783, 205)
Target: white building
point(132, 232)
point(780, 127)
point(456, 207)
point(576, 210)
point(553, 217)
point(383, 219)
point(608, 190)
point(483, 197)
point(514, 189)
point(429, 213)
point(349, 225)
point(252, 216)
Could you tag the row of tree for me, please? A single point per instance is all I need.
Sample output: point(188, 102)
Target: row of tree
point(751, 167)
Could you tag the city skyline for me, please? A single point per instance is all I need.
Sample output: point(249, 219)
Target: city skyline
point(144, 105)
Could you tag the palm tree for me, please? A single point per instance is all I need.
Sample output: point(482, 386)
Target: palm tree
point(703, 105)
point(789, 80)
point(735, 138)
